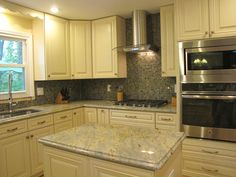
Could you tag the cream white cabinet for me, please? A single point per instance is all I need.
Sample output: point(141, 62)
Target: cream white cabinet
point(166, 121)
point(62, 164)
point(14, 156)
point(63, 121)
point(90, 115)
point(59, 163)
point(208, 158)
point(36, 149)
point(81, 49)
point(108, 34)
point(51, 48)
point(78, 117)
point(103, 116)
point(101, 168)
point(199, 19)
point(133, 118)
point(168, 42)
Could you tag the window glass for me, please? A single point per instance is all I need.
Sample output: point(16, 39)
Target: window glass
point(11, 51)
point(18, 83)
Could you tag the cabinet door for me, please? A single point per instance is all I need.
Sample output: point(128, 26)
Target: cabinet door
point(57, 43)
point(222, 18)
point(100, 168)
point(81, 49)
point(36, 148)
point(192, 19)
point(104, 43)
point(90, 115)
point(78, 117)
point(14, 156)
point(168, 63)
point(63, 164)
point(103, 116)
point(63, 126)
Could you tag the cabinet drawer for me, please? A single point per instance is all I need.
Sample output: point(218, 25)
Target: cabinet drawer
point(210, 147)
point(62, 116)
point(204, 169)
point(40, 122)
point(14, 128)
point(165, 118)
point(132, 118)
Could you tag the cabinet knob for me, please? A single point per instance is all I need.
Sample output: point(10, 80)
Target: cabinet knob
point(49, 75)
point(212, 32)
point(116, 74)
point(27, 137)
point(74, 113)
point(206, 33)
point(163, 72)
point(73, 75)
point(102, 110)
point(31, 136)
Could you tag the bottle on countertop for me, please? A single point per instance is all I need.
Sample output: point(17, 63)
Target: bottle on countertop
point(120, 94)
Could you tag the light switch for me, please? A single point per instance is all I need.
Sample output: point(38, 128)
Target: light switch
point(40, 91)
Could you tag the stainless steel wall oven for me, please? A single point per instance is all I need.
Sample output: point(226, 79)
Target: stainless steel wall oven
point(208, 88)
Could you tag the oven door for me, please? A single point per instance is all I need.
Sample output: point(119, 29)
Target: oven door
point(209, 116)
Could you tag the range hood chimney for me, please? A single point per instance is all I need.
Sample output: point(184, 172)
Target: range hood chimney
point(139, 33)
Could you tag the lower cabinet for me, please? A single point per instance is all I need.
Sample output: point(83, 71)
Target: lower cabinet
point(59, 163)
point(36, 148)
point(206, 158)
point(90, 115)
point(103, 116)
point(78, 117)
point(14, 156)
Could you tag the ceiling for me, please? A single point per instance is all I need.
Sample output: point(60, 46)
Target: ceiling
point(92, 9)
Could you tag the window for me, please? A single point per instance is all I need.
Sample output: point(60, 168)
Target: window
point(16, 58)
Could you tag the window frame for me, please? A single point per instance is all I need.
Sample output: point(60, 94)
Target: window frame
point(27, 64)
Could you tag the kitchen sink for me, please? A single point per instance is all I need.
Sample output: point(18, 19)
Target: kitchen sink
point(18, 113)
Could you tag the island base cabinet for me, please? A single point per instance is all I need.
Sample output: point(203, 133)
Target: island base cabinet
point(60, 163)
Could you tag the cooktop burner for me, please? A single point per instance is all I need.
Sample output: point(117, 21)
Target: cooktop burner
point(142, 103)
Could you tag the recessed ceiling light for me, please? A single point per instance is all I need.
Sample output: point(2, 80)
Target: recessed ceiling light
point(54, 9)
point(2, 10)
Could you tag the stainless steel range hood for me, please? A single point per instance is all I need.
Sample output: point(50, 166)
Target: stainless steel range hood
point(139, 33)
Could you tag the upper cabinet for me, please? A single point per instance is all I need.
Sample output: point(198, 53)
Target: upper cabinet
point(81, 49)
point(108, 35)
point(57, 47)
point(51, 48)
point(199, 19)
point(168, 42)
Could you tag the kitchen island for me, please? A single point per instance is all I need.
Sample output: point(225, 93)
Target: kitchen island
point(93, 150)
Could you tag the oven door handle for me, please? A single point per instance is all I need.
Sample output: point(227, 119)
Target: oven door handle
point(210, 97)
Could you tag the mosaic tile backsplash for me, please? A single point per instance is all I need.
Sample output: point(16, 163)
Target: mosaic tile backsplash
point(144, 79)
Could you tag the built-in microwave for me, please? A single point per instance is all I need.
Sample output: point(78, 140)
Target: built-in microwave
point(208, 61)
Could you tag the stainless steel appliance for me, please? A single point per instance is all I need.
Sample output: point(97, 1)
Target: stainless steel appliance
point(142, 103)
point(208, 61)
point(209, 110)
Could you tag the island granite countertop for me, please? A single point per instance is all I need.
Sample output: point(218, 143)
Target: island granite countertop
point(53, 108)
point(135, 146)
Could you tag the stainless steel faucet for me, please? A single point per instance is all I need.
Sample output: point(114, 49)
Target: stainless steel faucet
point(10, 100)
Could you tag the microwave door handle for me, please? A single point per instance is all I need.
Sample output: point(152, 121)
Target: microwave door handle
point(211, 97)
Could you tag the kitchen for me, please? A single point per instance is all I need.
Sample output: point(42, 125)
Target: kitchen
point(144, 79)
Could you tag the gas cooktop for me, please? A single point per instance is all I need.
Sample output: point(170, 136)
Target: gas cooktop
point(142, 103)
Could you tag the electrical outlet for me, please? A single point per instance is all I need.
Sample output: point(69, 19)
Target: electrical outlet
point(108, 87)
point(40, 91)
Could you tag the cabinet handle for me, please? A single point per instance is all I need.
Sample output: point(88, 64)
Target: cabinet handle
point(210, 170)
point(63, 117)
point(210, 152)
point(12, 130)
point(166, 119)
point(134, 117)
point(42, 122)
point(116, 74)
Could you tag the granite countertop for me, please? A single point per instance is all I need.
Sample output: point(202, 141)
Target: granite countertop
point(135, 146)
point(53, 108)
